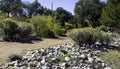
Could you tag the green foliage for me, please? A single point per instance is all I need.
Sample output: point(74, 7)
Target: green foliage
point(25, 29)
point(14, 57)
point(111, 58)
point(15, 30)
point(62, 15)
point(3, 16)
point(102, 28)
point(21, 19)
point(55, 26)
point(89, 36)
point(11, 6)
point(68, 26)
point(60, 59)
point(111, 14)
point(88, 11)
point(39, 24)
point(10, 29)
point(43, 25)
point(73, 21)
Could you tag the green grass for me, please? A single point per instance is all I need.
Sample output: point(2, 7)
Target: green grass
point(112, 58)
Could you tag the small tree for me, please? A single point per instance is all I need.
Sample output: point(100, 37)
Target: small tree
point(88, 11)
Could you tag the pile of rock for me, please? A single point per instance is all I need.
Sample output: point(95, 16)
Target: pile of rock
point(59, 57)
point(116, 42)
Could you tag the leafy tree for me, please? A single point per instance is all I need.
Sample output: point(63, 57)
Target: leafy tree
point(73, 21)
point(32, 8)
point(62, 15)
point(11, 6)
point(47, 11)
point(88, 11)
point(111, 14)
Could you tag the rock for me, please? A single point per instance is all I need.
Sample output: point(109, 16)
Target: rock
point(90, 59)
point(75, 67)
point(39, 58)
point(29, 68)
point(82, 58)
point(43, 60)
point(103, 65)
point(107, 68)
point(67, 58)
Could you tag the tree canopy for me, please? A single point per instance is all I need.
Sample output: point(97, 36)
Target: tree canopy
point(111, 14)
point(11, 6)
point(88, 11)
point(62, 15)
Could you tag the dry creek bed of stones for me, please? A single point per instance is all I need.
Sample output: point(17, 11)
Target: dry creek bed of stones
point(66, 56)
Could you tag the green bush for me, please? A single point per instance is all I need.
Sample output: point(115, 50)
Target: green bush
point(89, 36)
point(68, 26)
point(25, 29)
point(102, 28)
point(43, 25)
point(15, 30)
point(39, 25)
point(3, 16)
point(10, 29)
point(55, 26)
point(21, 19)
point(14, 57)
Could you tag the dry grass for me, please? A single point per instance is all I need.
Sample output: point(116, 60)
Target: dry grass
point(7, 48)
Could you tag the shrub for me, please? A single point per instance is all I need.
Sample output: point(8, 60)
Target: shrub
point(15, 30)
point(55, 26)
point(3, 16)
point(80, 36)
point(39, 25)
point(59, 30)
point(43, 25)
point(10, 29)
point(25, 29)
point(102, 28)
point(14, 57)
point(21, 19)
point(89, 36)
point(68, 26)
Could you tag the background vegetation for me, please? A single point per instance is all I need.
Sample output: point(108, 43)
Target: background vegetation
point(92, 21)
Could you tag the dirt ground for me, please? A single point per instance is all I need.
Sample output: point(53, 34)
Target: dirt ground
point(7, 48)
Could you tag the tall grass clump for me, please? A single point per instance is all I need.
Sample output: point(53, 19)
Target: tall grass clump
point(14, 57)
point(89, 36)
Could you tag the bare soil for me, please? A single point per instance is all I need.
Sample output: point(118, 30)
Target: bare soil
point(7, 48)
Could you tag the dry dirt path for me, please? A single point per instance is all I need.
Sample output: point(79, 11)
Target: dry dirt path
point(7, 48)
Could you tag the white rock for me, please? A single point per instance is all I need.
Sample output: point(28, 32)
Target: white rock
point(82, 56)
point(67, 58)
point(107, 68)
point(28, 67)
point(43, 60)
point(75, 67)
point(90, 59)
